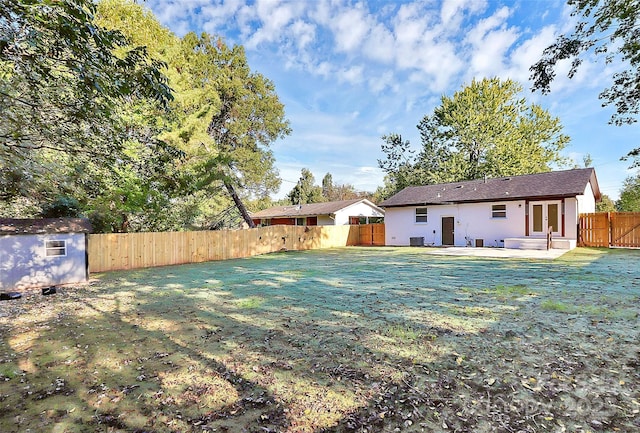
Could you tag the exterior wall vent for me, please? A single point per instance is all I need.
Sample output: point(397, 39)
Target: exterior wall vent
point(417, 241)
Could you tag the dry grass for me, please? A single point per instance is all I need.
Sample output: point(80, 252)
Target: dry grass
point(352, 339)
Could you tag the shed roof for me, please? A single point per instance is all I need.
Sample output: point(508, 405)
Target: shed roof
point(310, 209)
point(44, 225)
point(567, 183)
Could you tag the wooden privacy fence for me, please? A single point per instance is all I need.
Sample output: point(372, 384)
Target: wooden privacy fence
point(115, 251)
point(610, 229)
point(371, 234)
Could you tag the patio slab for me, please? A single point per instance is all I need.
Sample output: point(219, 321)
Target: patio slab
point(503, 253)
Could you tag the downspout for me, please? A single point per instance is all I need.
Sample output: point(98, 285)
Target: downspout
point(526, 218)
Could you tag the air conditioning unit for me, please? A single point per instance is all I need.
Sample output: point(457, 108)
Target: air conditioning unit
point(416, 242)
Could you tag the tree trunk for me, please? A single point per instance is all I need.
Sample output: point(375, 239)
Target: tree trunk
point(239, 204)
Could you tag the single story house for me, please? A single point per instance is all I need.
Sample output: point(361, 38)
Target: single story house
point(43, 252)
point(356, 211)
point(512, 212)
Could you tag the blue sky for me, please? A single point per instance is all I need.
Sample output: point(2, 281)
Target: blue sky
point(349, 72)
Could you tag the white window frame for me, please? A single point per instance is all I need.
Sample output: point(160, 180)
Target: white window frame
point(424, 214)
point(498, 213)
point(61, 246)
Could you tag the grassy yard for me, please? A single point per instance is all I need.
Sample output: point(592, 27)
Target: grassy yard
point(344, 340)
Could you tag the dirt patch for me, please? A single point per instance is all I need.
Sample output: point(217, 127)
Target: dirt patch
point(351, 339)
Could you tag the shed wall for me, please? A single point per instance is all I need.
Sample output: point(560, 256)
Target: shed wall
point(23, 262)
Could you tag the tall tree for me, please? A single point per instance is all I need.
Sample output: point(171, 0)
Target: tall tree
point(327, 187)
point(399, 165)
point(336, 192)
point(629, 200)
point(485, 129)
point(231, 116)
point(305, 191)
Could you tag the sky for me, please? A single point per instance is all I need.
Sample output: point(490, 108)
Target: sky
point(349, 72)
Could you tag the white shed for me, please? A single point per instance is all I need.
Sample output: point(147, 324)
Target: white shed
point(43, 252)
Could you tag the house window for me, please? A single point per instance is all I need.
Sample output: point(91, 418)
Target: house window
point(55, 248)
point(499, 211)
point(421, 215)
point(300, 221)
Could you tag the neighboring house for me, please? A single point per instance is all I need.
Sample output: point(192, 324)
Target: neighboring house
point(514, 212)
point(43, 252)
point(357, 211)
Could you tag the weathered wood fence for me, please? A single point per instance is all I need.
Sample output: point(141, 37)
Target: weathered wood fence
point(115, 251)
point(610, 229)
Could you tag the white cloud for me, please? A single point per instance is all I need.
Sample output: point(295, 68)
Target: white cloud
point(379, 83)
point(303, 33)
point(350, 27)
point(351, 75)
point(490, 41)
point(324, 69)
point(452, 11)
point(216, 16)
point(274, 16)
point(380, 44)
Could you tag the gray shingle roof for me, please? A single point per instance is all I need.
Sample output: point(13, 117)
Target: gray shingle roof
point(44, 225)
point(310, 209)
point(567, 183)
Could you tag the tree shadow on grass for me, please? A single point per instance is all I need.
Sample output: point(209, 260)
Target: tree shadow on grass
point(333, 341)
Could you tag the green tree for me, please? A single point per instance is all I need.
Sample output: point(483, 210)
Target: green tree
point(231, 116)
point(606, 204)
point(223, 118)
point(485, 129)
point(608, 29)
point(629, 200)
point(399, 165)
point(305, 191)
point(77, 100)
point(62, 78)
point(337, 192)
point(328, 187)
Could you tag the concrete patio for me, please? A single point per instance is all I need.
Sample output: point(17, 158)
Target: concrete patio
point(501, 253)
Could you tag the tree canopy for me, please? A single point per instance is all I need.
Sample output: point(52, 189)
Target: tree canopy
point(485, 129)
point(146, 130)
point(610, 30)
point(336, 192)
point(606, 204)
point(62, 77)
point(629, 200)
point(76, 99)
point(239, 113)
point(306, 191)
